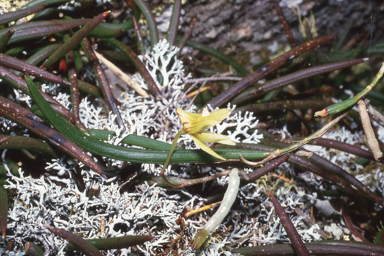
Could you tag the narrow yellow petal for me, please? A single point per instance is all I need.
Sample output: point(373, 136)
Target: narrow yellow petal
point(211, 120)
point(220, 114)
point(213, 137)
point(204, 147)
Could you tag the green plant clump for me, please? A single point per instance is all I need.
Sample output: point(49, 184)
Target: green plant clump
point(93, 94)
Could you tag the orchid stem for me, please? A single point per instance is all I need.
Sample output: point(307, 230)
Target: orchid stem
point(170, 153)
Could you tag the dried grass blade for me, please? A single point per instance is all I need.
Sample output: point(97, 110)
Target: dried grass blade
point(139, 65)
point(371, 138)
point(374, 114)
point(122, 75)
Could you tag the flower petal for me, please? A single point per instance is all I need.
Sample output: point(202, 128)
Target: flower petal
point(187, 118)
point(193, 123)
point(204, 147)
point(213, 137)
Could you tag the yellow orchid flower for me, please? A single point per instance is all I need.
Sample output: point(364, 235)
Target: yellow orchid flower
point(195, 125)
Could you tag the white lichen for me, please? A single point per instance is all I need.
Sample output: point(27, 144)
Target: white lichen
point(55, 198)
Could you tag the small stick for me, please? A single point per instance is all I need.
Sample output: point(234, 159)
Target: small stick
point(212, 79)
point(374, 114)
point(181, 183)
point(310, 223)
point(195, 96)
point(371, 139)
point(314, 136)
point(201, 209)
point(196, 92)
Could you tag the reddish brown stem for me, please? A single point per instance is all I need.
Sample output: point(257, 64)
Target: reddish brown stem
point(227, 95)
point(348, 222)
point(186, 36)
point(139, 37)
point(352, 149)
point(19, 83)
point(285, 25)
point(292, 78)
point(27, 119)
point(295, 238)
point(267, 168)
point(103, 82)
point(19, 65)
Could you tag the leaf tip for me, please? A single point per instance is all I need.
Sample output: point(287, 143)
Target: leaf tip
point(321, 113)
point(66, 82)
